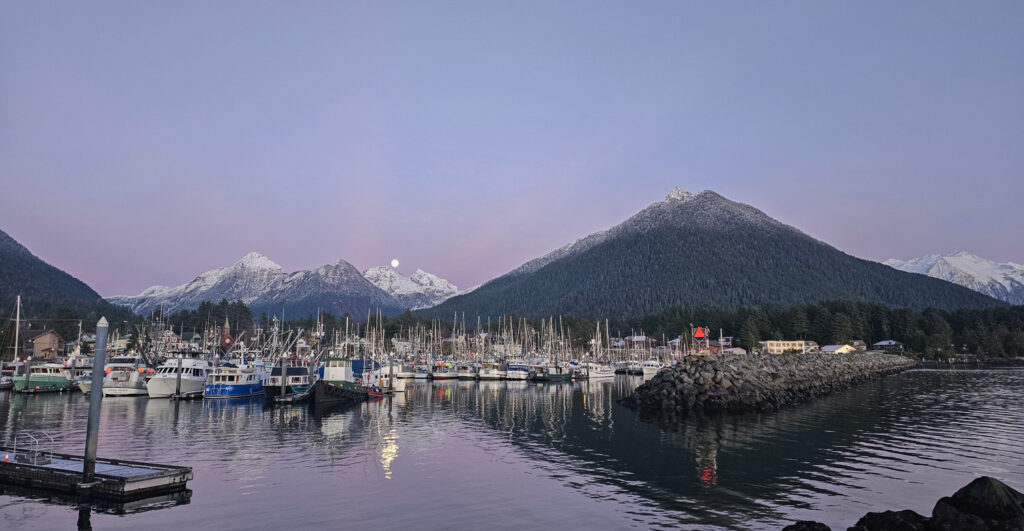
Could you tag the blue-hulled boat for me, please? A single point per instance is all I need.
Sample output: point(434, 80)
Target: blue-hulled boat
point(228, 381)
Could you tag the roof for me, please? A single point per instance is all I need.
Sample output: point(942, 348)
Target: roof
point(33, 334)
point(887, 343)
point(833, 348)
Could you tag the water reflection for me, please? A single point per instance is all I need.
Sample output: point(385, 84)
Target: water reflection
point(457, 450)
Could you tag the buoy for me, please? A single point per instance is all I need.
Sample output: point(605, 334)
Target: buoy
point(7, 458)
point(141, 370)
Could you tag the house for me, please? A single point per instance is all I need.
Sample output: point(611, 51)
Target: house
point(43, 344)
point(889, 345)
point(859, 345)
point(781, 346)
point(838, 349)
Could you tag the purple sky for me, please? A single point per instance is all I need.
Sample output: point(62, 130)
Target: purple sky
point(143, 143)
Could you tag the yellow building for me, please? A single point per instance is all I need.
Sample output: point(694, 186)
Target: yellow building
point(781, 346)
point(838, 349)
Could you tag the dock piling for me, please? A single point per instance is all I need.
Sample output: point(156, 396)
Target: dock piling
point(95, 402)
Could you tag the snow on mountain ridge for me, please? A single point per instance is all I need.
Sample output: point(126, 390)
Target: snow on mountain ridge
point(420, 290)
point(1004, 281)
point(261, 283)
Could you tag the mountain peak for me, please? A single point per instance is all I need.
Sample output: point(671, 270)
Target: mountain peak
point(678, 194)
point(256, 260)
point(420, 290)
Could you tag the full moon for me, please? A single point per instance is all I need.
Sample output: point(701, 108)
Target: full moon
point(394, 262)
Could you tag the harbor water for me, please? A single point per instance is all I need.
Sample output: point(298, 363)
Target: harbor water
point(514, 455)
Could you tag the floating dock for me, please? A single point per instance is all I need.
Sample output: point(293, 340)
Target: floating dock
point(115, 479)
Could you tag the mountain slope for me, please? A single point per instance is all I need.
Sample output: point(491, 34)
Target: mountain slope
point(265, 287)
point(1003, 281)
point(44, 289)
point(697, 251)
point(420, 290)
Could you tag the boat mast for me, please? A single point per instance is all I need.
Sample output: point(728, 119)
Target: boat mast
point(17, 329)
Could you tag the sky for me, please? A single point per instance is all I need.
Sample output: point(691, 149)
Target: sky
point(143, 143)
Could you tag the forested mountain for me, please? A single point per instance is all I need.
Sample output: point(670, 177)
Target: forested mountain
point(699, 251)
point(47, 293)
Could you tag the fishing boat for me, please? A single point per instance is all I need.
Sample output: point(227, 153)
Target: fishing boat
point(517, 371)
point(634, 367)
point(83, 382)
point(650, 367)
point(550, 372)
point(298, 381)
point(466, 371)
point(76, 365)
point(6, 383)
point(598, 371)
point(338, 384)
point(444, 370)
point(490, 370)
point(46, 377)
point(422, 372)
point(406, 370)
point(229, 381)
point(126, 376)
point(166, 382)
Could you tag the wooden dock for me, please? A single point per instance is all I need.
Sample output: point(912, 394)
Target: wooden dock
point(115, 480)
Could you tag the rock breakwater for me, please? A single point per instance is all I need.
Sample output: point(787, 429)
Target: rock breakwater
point(736, 383)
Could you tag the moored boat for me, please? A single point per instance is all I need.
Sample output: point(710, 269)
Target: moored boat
point(229, 381)
point(125, 376)
point(466, 371)
point(650, 367)
point(517, 371)
point(298, 381)
point(490, 370)
point(444, 370)
point(165, 383)
point(43, 378)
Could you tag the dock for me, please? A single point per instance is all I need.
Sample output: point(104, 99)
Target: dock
point(115, 480)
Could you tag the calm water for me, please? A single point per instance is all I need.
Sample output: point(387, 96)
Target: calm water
point(511, 455)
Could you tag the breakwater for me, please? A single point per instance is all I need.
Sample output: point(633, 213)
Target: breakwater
point(738, 383)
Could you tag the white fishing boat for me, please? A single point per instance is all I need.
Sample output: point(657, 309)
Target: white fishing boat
point(598, 371)
point(422, 372)
point(517, 371)
point(491, 370)
point(650, 367)
point(466, 371)
point(165, 382)
point(126, 376)
point(444, 370)
point(406, 370)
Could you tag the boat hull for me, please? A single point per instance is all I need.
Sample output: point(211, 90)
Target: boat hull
point(41, 384)
point(219, 391)
point(160, 387)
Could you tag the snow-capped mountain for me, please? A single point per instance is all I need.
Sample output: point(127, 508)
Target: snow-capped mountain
point(420, 290)
point(1003, 281)
point(265, 287)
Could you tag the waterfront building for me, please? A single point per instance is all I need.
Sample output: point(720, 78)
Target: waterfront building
point(781, 346)
point(43, 344)
point(838, 349)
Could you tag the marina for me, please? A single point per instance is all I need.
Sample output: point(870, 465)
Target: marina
point(567, 448)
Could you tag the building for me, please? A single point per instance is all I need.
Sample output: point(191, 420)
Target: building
point(888, 345)
point(838, 349)
point(43, 344)
point(858, 345)
point(781, 346)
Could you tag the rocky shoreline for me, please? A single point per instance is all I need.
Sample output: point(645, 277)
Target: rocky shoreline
point(984, 504)
point(738, 383)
